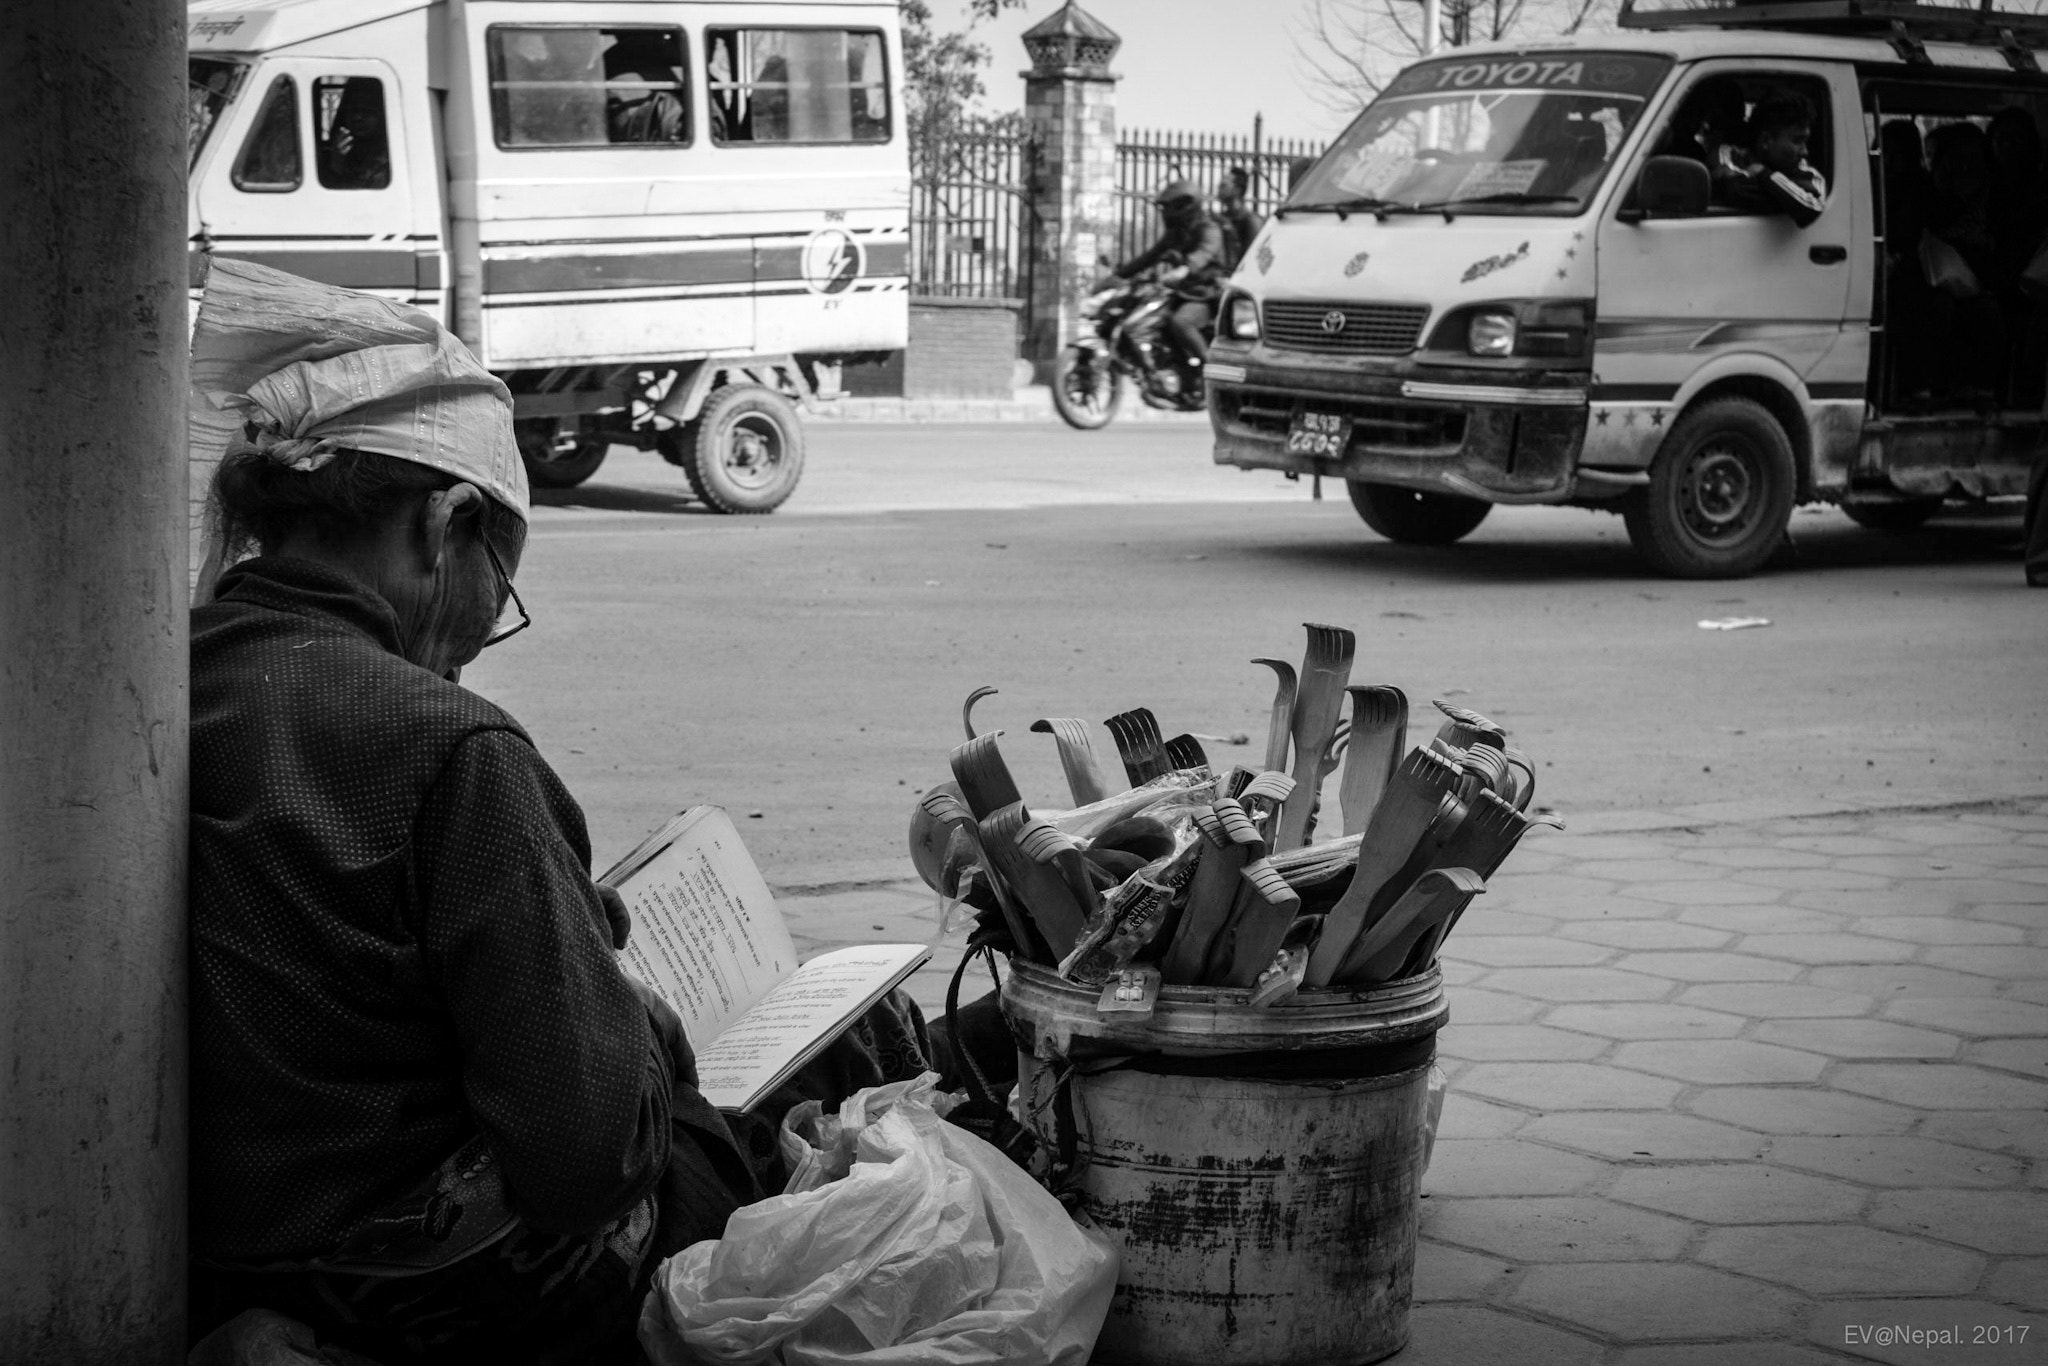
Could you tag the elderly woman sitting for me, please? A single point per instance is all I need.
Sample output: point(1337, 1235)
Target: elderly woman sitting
point(432, 1117)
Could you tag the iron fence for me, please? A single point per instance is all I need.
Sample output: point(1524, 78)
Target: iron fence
point(972, 228)
point(1145, 161)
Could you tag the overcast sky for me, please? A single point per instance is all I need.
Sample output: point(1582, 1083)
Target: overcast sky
point(1205, 66)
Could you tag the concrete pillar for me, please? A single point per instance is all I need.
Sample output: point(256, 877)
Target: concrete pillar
point(1070, 106)
point(92, 682)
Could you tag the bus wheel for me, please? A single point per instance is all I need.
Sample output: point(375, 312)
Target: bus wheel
point(1720, 493)
point(745, 451)
point(553, 463)
point(1901, 516)
point(1411, 517)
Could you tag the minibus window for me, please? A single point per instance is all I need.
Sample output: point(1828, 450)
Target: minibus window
point(351, 146)
point(567, 86)
point(1488, 135)
point(269, 163)
point(1712, 124)
point(796, 85)
point(209, 84)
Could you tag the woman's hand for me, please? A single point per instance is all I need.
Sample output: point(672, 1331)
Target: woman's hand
point(616, 915)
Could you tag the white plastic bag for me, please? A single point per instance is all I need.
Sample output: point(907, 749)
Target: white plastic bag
point(932, 1250)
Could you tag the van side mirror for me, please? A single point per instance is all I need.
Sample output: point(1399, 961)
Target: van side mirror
point(1669, 187)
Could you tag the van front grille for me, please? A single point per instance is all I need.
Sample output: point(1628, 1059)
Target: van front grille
point(1345, 329)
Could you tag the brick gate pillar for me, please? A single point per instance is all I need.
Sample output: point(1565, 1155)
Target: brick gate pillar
point(1070, 107)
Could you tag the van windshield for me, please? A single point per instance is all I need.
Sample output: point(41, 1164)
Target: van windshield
point(210, 83)
point(1522, 133)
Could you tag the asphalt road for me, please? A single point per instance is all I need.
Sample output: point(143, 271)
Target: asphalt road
point(810, 665)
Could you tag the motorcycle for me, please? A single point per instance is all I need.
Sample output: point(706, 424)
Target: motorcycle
point(1127, 343)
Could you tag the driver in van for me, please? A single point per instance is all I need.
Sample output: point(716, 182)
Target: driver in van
point(1194, 243)
point(1771, 174)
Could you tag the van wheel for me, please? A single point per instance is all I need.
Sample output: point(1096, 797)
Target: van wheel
point(745, 451)
point(552, 463)
point(1902, 516)
point(1720, 493)
point(1411, 517)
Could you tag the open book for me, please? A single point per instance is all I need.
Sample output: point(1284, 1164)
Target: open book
point(708, 938)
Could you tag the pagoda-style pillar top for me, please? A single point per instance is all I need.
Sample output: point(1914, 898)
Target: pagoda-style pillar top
point(1071, 42)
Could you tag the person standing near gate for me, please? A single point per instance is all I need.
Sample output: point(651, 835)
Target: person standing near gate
point(1240, 224)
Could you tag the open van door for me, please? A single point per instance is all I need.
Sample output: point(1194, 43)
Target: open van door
point(311, 176)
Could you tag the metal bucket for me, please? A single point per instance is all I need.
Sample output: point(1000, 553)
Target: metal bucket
point(1259, 1169)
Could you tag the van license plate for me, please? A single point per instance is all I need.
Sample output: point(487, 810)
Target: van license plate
point(1319, 435)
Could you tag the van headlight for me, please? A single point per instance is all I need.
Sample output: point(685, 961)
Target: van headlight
point(1491, 334)
point(1241, 317)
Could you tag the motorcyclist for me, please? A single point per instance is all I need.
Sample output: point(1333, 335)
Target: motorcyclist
point(1193, 246)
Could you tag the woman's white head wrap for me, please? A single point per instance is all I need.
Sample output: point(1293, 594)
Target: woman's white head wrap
point(299, 370)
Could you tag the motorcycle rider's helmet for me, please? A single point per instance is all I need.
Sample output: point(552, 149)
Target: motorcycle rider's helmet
point(1178, 199)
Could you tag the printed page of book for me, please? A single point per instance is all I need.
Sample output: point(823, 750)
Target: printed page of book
point(795, 1022)
point(706, 932)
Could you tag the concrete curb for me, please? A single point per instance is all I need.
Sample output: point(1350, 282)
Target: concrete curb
point(876, 874)
point(1032, 404)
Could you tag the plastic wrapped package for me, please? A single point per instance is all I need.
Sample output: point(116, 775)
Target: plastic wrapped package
point(931, 1249)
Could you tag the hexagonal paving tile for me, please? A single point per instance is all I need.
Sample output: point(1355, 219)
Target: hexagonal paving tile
point(1941, 1086)
point(1846, 846)
point(1993, 1131)
point(1720, 1061)
point(1855, 903)
point(1714, 892)
point(1858, 1038)
point(1634, 1301)
point(2009, 1222)
point(1460, 1334)
point(1763, 919)
point(1890, 1160)
point(2020, 1280)
point(1865, 1328)
point(1646, 934)
point(1517, 1043)
point(1756, 856)
point(1984, 1016)
point(1515, 950)
point(1645, 1020)
point(1448, 1273)
point(1897, 980)
point(1506, 1166)
point(2023, 915)
point(1812, 879)
point(1937, 929)
point(1576, 984)
point(1725, 1354)
point(1586, 907)
point(1892, 866)
point(1491, 920)
point(1707, 966)
point(1466, 1116)
point(1939, 835)
point(1836, 1259)
point(1991, 960)
point(2026, 1056)
point(1525, 889)
point(1603, 846)
point(1828, 948)
point(1777, 1000)
point(1739, 1193)
point(1789, 1110)
point(1624, 1136)
point(1649, 870)
point(1556, 1228)
point(1568, 1086)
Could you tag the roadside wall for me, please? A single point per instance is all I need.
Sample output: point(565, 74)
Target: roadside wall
point(959, 348)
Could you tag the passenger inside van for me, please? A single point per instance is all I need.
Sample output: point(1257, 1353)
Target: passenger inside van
point(1967, 322)
point(643, 92)
point(1771, 173)
point(2019, 237)
point(1912, 356)
point(1707, 124)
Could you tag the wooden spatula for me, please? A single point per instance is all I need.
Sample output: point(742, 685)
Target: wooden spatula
point(1325, 669)
point(1403, 815)
point(1185, 751)
point(951, 811)
point(1431, 903)
point(1379, 732)
point(1136, 733)
point(1282, 723)
point(1041, 891)
point(1209, 897)
point(1077, 757)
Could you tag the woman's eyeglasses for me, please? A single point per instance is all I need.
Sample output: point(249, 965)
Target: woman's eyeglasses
point(512, 618)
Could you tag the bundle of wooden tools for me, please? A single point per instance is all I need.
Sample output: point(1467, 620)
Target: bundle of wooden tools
point(1195, 877)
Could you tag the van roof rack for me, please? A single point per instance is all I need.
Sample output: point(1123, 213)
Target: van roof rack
point(2016, 27)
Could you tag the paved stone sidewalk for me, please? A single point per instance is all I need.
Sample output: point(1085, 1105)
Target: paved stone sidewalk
point(1756, 1092)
